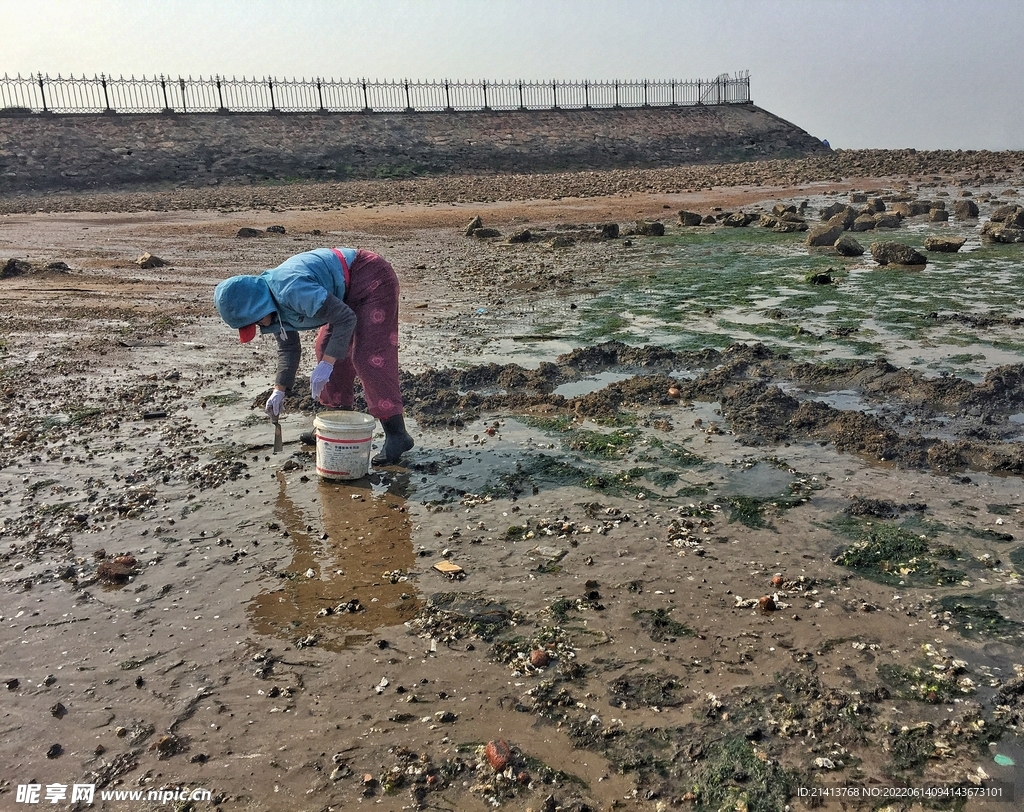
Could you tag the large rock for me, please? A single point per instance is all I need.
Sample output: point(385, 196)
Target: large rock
point(789, 227)
point(965, 210)
point(911, 208)
point(844, 218)
point(887, 220)
point(865, 222)
point(824, 235)
point(1005, 214)
point(944, 245)
point(938, 216)
point(896, 253)
point(847, 246)
point(998, 232)
point(149, 260)
point(14, 267)
point(830, 211)
point(739, 219)
point(689, 218)
point(645, 229)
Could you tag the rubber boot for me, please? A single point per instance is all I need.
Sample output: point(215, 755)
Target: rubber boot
point(396, 441)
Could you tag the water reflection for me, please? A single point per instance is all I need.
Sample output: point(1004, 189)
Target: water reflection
point(356, 561)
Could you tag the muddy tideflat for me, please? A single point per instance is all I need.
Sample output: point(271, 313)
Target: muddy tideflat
point(799, 570)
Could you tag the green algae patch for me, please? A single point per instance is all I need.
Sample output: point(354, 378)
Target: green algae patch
point(648, 690)
point(753, 511)
point(602, 445)
point(922, 684)
point(673, 453)
point(660, 627)
point(533, 471)
point(898, 554)
point(977, 617)
point(734, 775)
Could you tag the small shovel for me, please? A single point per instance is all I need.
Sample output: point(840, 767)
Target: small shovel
point(278, 441)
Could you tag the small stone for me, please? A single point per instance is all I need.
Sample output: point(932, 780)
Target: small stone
point(55, 751)
point(498, 754)
point(766, 604)
point(166, 745)
point(12, 684)
point(777, 580)
point(58, 710)
point(539, 658)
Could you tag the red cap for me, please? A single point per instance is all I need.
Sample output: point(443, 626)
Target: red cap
point(247, 334)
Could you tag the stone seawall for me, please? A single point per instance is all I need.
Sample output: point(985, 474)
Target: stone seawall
point(40, 153)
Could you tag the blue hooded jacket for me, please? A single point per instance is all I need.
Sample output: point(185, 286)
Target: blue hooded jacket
point(295, 290)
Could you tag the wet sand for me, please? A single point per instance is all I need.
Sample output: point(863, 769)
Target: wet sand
point(287, 644)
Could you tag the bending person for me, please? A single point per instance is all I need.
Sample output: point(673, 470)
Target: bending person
point(351, 297)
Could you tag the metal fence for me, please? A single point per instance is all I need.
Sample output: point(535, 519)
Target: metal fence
point(103, 94)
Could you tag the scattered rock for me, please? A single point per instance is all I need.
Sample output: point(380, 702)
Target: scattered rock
point(847, 246)
point(995, 231)
point(824, 235)
point(14, 267)
point(116, 572)
point(149, 260)
point(167, 746)
point(895, 253)
point(275, 230)
point(944, 245)
point(249, 232)
point(473, 225)
point(645, 229)
point(739, 219)
point(965, 209)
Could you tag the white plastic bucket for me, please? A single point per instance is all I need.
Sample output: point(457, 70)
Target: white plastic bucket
point(343, 444)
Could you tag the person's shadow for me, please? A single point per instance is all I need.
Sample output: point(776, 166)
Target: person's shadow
point(349, 576)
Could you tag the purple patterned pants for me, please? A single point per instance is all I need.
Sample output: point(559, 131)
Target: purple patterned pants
point(373, 355)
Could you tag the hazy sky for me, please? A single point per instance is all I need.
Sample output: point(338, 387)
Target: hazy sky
point(930, 74)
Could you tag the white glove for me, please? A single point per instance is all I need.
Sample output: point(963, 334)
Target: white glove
point(275, 402)
point(318, 380)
